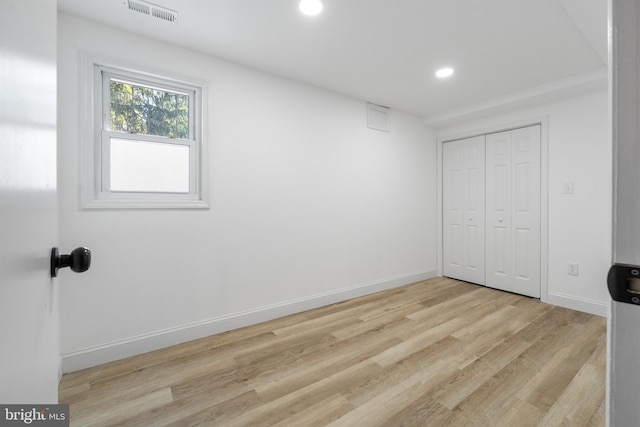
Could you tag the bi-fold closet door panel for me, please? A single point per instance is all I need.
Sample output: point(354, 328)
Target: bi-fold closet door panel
point(491, 210)
point(513, 211)
point(464, 209)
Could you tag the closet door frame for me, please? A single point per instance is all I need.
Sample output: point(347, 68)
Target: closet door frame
point(495, 126)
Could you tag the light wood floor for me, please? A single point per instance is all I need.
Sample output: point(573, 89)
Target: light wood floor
point(435, 353)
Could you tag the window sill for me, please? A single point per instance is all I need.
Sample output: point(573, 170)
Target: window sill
point(145, 204)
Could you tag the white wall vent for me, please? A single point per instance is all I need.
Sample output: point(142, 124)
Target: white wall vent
point(153, 10)
point(378, 117)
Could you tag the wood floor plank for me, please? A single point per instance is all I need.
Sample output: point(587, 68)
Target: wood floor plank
point(546, 386)
point(517, 413)
point(435, 353)
point(460, 383)
point(360, 393)
point(199, 411)
point(281, 350)
point(219, 413)
point(581, 401)
point(413, 344)
point(289, 405)
point(319, 414)
point(341, 358)
point(115, 412)
point(382, 321)
point(486, 402)
point(487, 335)
point(457, 302)
point(426, 412)
point(387, 404)
point(152, 378)
point(330, 321)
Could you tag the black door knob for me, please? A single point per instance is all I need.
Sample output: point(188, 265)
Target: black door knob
point(79, 260)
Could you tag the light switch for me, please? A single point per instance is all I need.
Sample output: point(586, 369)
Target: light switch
point(568, 188)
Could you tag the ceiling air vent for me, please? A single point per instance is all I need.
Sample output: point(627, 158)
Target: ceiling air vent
point(378, 117)
point(153, 10)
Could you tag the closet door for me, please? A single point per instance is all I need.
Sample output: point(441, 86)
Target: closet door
point(498, 242)
point(464, 209)
point(513, 211)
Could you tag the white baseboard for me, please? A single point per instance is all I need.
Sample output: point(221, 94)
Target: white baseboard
point(588, 306)
point(116, 350)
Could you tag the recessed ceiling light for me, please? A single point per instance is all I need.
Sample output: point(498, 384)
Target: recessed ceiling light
point(311, 7)
point(444, 72)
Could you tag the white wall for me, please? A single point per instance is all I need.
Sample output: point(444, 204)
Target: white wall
point(308, 207)
point(579, 224)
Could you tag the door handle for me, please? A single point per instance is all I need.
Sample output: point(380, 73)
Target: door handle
point(79, 260)
point(623, 282)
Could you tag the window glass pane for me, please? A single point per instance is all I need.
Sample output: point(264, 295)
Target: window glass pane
point(148, 111)
point(141, 166)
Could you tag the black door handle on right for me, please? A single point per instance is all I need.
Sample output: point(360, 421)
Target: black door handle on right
point(79, 260)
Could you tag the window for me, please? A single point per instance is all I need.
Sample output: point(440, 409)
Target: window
point(148, 144)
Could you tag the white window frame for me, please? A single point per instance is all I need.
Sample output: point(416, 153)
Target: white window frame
point(95, 154)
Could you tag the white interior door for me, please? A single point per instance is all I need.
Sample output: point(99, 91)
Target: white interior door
point(513, 211)
point(29, 355)
point(525, 156)
point(464, 209)
point(624, 319)
point(453, 209)
point(499, 270)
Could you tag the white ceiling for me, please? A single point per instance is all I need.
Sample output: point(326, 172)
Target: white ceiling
point(386, 51)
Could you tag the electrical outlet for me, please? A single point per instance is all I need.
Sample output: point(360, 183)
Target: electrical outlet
point(572, 269)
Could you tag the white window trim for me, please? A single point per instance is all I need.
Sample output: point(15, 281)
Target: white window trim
point(94, 140)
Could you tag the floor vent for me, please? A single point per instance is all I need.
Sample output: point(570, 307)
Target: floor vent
point(153, 10)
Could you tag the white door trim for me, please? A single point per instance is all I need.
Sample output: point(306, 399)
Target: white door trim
point(543, 121)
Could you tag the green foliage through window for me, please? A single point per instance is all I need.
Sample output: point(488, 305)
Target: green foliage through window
point(148, 111)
